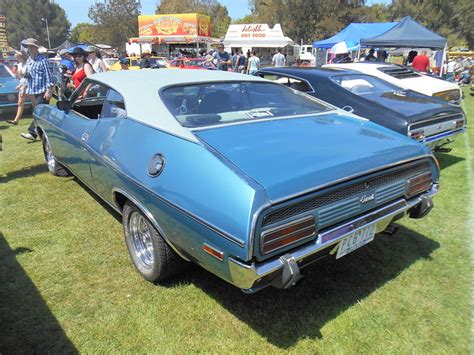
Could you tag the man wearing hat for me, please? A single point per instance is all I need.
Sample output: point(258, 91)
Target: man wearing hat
point(66, 60)
point(124, 63)
point(39, 80)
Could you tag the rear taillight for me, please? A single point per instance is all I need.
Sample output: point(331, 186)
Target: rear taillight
point(419, 184)
point(419, 134)
point(459, 124)
point(289, 233)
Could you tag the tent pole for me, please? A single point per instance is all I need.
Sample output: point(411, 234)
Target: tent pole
point(358, 54)
point(444, 60)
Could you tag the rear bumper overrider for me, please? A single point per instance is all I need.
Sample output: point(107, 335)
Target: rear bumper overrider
point(284, 271)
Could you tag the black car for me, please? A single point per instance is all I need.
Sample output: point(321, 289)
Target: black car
point(424, 118)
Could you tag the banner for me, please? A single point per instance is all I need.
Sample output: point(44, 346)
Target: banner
point(174, 25)
point(3, 37)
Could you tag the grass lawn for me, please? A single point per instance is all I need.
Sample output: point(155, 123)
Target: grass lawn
point(67, 284)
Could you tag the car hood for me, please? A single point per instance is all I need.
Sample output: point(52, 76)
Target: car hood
point(8, 85)
point(289, 157)
point(412, 105)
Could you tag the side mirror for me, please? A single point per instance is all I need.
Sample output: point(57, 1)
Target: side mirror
point(63, 105)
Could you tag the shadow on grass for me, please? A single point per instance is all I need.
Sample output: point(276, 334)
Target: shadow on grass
point(25, 172)
point(27, 324)
point(445, 160)
point(99, 200)
point(329, 288)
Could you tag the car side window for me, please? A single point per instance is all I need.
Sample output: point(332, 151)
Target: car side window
point(90, 100)
point(114, 106)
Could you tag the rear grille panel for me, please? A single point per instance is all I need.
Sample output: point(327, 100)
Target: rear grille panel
point(437, 119)
point(4, 98)
point(394, 181)
point(399, 73)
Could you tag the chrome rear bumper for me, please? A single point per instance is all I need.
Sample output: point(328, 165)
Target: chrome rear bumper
point(283, 272)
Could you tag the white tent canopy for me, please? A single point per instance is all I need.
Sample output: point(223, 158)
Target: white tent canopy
point(256, 36)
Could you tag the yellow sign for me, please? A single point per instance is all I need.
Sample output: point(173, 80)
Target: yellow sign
point(174, 25)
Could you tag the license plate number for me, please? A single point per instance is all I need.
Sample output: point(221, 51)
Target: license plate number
point(355, 240)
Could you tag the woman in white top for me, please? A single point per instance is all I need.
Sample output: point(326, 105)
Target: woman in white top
point(253, 64)
point(97, 64)
point(21, 57)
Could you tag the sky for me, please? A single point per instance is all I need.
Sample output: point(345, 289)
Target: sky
point(76, 10)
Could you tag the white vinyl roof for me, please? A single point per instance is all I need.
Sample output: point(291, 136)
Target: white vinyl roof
point(140, 90)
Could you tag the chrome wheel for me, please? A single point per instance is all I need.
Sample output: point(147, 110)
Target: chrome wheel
point(50, 159)
point(141, 239)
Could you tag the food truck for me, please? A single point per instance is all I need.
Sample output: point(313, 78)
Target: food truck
point(171, 33)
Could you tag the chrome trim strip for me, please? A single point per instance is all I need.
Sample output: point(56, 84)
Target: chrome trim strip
point(438, 116)
point(229, 237)
point(443, 135)
point(323, 186)
point(246, 275)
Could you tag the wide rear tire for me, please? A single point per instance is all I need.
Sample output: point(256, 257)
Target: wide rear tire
point(151, 255)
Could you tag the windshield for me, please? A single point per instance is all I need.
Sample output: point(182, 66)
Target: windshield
point(157, 61)
point(4, 72)
point(210, 104)
point(365, 85)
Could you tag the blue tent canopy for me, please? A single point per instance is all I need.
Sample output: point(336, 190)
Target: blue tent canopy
point(407, 33)
point(354, 32)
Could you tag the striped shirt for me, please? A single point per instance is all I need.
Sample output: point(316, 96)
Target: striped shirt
point(38, 75)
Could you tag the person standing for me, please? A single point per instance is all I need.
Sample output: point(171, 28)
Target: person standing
point(370, 57)
point(421, 62)
point(83, 67)
point(21, 57)
point(145, 61)
point(67, 60)
point(279, 59)
point(222, 58)
point(94, 59)
point(39, 81)
point(253, 63)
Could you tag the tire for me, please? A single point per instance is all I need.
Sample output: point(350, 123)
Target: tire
point(53, 166)
point(150, 254)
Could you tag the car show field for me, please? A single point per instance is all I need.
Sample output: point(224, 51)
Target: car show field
point(67, 283)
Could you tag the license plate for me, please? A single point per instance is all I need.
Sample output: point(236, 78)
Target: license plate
point(356, 240)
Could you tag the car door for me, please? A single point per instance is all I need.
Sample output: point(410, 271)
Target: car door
point(79, 124)
point(102, 143)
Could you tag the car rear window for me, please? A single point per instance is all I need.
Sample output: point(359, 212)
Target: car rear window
point(209, 104)
point(364, 85)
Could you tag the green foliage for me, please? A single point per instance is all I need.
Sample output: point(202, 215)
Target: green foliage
point(24, 19)
point(220, 18)
point(115, 21)
point(449, 18)
point(84, 32)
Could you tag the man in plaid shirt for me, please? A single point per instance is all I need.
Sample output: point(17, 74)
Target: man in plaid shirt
point(39, 80)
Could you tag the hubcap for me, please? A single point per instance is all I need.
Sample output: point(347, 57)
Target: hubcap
point(141, 239)
point(49, 157)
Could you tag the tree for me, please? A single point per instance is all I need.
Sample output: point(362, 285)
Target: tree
point(449, 18)
point(84, 32)
point(115, 21)
point(24, 19)
point(220, 18)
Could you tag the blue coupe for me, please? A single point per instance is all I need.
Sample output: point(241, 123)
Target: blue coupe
point(248, 178)
point(9, 92)
point(427, 119)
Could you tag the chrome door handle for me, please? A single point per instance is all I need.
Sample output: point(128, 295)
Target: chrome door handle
point(85, 136)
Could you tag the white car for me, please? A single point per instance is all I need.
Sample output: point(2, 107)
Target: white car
point(407, 78)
